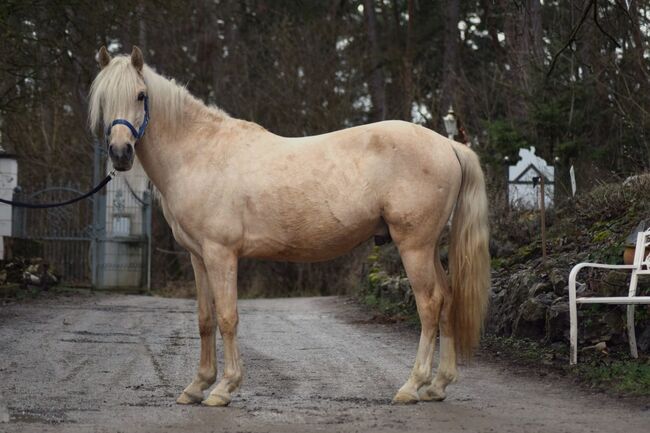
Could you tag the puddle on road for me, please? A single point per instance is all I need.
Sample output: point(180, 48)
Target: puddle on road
point(4, 413)
point(273, 415)
point(84, 340)
point(38, 417)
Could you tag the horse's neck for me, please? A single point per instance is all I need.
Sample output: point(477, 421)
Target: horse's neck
point(167, 140)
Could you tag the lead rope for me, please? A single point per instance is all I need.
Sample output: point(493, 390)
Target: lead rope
point(95, 190)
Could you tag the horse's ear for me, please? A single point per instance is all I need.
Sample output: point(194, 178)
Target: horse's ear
point(103, 58)
point(136, 59)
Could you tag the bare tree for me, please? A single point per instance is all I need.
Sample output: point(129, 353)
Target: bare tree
point(377, 91)
point(450, 55)
point(407, 62)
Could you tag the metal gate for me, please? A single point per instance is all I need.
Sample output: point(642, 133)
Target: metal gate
point(103, 241)
point(63, 236)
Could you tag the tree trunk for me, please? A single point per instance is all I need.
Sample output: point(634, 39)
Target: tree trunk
point(377, 90)
point(524, 52)
point(450, 57)
point(639, 45)
point(407, 69)
point(142, 27)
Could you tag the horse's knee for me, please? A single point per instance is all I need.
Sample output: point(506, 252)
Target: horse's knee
point(206, 327)
point(227, 322)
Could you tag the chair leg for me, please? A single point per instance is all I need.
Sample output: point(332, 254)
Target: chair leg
point(573, 313)
point(631, 335)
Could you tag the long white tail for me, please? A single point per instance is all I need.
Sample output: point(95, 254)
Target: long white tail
point(469, 256)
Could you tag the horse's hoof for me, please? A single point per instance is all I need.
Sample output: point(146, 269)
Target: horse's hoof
point(186, 398)
point(216, 400)
point(403, 397)
point(430, 393)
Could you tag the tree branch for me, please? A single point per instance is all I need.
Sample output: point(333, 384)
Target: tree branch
point(574, 33)
point(600, 27)
point(572, 37)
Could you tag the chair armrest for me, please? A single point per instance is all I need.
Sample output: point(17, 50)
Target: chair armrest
point(577, 268)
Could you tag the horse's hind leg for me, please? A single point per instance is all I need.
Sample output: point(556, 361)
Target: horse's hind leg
point(207, 373)
point(447, 371)
point(221, 265)
point(421, 271)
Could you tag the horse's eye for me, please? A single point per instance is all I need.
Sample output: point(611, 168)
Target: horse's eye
point(141, 96)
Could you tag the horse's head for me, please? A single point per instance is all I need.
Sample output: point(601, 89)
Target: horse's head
point(119, 101)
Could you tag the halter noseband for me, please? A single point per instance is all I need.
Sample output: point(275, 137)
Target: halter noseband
point(137, 133)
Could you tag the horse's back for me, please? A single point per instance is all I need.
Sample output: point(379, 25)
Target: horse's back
point(330, 192)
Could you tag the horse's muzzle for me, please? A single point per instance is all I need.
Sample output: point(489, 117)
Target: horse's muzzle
point(121, 156)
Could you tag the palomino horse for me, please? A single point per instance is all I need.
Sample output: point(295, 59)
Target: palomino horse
point(230, 189)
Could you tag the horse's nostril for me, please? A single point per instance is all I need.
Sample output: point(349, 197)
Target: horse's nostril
point(129, 150)
point(111, 151)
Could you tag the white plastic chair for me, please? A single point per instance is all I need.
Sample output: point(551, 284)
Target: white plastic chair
point(640, 266)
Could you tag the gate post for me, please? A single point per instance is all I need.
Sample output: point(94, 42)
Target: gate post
point(146, 231)
point(17, 215)
point(99, 224)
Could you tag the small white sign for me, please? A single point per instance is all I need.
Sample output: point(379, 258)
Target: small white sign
point(8, 181)
point(523, 192)
point(572, 173)
point(121, 226)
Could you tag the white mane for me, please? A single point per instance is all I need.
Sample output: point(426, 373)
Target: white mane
point(116, 86)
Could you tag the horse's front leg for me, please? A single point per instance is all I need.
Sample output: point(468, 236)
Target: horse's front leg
point(207, 373)
point(221, 265)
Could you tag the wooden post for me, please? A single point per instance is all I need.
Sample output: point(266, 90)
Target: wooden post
point(542, 208)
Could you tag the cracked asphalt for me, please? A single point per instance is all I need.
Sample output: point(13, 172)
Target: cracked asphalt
point(107, 363)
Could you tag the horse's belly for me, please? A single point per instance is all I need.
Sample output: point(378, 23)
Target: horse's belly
point(311, 242)
point(299, 252)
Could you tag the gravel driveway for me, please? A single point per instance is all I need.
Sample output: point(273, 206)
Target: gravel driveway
point(103, 362)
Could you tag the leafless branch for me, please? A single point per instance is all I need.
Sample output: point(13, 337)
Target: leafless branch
point(572, 37)
point(592, 4)
point(600, 27)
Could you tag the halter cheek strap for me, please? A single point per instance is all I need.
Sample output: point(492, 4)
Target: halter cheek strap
point(137, 133)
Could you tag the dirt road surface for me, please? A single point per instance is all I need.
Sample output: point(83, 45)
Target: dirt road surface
point(114, 363)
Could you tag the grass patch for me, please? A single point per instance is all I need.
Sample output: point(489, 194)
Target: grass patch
point(630, 377)
point(392, 311)
point(521, 349)
point(613, 372)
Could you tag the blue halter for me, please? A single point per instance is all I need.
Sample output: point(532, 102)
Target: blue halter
point(138, 134)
